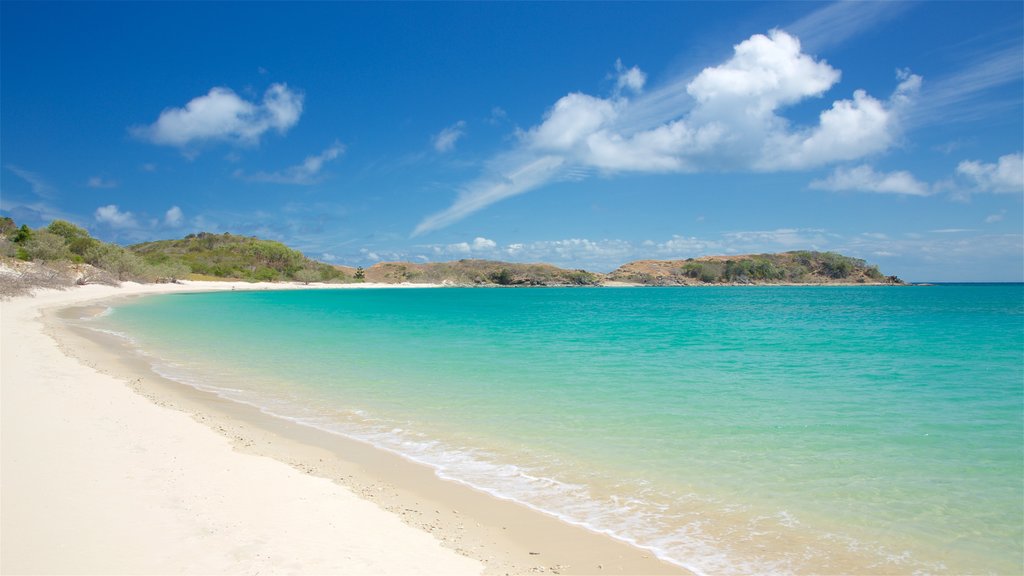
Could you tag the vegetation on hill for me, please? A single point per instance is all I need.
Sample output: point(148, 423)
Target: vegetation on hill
point(799, 267)
point(63, 254)
point(479, 272)
point(239, 257)
point(70, 250)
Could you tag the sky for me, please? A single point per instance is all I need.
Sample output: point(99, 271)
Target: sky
point(586, 135)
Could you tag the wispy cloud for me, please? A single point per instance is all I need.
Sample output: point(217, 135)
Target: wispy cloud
point(787, 238)
point(997, 217)
point(909, 255)
point(100, 182)
point(864, 179)
point(39, 186)
point(223, 115)
point(444, 141)
point(840, 21)
point(305, 174)
point(37, 212)
point(958, 96)
point(725, 118)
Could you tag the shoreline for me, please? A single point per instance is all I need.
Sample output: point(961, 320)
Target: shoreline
point(501, 536)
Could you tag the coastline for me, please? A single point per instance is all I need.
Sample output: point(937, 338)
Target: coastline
point(436, 516)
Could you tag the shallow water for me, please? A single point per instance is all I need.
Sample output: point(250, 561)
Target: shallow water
point(730, 430)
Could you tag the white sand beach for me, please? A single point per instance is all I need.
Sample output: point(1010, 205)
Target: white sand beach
point(106, 470)
point(97, 479)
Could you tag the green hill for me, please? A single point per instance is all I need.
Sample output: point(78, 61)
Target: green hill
point(799, 267)
point(240, 257)
point(228, 256)
point(480, 272)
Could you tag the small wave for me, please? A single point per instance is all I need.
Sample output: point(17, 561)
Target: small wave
point(114, 333)
point(637, 515)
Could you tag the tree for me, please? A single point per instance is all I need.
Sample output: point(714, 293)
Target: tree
point(120, 262)
point(307, 275)
point(169, 271)
point(46, 246)
point(7, 226)
point(360, 273)
point(22, 235)
point(502, 277)
point(78, 240)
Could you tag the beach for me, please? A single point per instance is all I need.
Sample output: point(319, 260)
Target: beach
point(109, 468)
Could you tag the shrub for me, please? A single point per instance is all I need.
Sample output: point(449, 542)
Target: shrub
point(835, 265)
point(707, 272)
point(45, 245)
point(502, 277)
point(122, 263)
point(265, 275)
point(7, 226)
point(22, 235)
point(307, 275)
point(169, 271)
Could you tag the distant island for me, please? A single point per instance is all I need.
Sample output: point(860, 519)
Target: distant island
point(62, 254)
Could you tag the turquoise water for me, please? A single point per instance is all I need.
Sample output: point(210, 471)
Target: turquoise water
point(730, 430)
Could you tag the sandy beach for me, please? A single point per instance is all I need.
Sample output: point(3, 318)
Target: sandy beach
point(108, 468)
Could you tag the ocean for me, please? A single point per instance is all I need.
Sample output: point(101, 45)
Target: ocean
point(727, 429)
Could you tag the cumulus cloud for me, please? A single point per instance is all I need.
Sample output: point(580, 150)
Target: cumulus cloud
point(444, 141)
point(479, 246)
point(764, 73)
point(174, 217)
point(223, 115)
point(306, 173)
point(864, 179)
point(1003, 176)
point(100, 182)
point(726, 118)
point(114, 217)
point(632, 79)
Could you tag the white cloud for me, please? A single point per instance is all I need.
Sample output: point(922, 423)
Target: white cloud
point(864, 179)
point(444, 141)
point(114, 217)
point(764, 73)
point(686, 247)
point(1004, 176)
point(726, 119)
point(174, 217)
point(632, 79)
point(572, 252)
point(306, 173)
point(223, 115)
point(100, 182)
point(997, 217)
point(479, 246)
point(570, 121)
point(483, 244)
point(788, 238)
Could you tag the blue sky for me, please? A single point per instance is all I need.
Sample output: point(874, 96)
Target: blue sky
point(586, 135)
